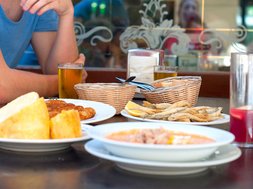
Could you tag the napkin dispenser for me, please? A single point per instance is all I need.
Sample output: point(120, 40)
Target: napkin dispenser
point(141, 62)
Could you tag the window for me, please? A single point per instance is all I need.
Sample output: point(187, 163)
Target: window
point(201, 34)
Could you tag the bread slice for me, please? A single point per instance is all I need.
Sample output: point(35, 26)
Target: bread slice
point(26, 117)
point(66, 125)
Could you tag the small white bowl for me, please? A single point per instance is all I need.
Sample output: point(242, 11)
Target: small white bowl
point(157, 152)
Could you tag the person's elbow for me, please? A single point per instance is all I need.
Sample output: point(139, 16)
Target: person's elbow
point(4, 93)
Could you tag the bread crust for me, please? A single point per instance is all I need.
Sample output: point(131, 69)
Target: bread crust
point(31, 122)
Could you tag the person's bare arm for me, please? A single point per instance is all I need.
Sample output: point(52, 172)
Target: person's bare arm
point(14, 83)
point(51, 47)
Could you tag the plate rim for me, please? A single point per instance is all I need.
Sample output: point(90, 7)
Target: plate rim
point(174, 171)
point(202, 163)
point(84, 137)
point(41, 145)
point(216, 122)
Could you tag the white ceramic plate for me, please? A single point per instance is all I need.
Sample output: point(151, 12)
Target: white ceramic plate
point(225, 119)
point(103, 111)
point(27, 145)
point(222, 155)
point(155, 152)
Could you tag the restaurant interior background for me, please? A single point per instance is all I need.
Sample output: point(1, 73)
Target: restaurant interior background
point(196, 37)
point(214, 29)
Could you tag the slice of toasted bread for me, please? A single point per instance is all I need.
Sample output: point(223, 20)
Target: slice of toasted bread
point(17, 104)
point(66, 125)
point(26, 117)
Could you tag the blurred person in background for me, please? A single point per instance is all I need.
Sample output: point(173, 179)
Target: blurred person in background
point(108, 13)
point(189, 19)
point(48, 27)
point(188, 15)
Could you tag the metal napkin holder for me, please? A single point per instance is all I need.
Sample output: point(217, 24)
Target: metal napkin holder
point(141, 62)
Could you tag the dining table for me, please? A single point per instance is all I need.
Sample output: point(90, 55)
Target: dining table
point(75, 168)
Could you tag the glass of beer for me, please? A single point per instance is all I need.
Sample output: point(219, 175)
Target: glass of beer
point(161, 72)
point(69, 74)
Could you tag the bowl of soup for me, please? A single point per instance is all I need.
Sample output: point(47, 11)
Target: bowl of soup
point(155, 141)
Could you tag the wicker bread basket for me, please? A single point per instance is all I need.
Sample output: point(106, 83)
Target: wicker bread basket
point(174, 89)
point(114, 94)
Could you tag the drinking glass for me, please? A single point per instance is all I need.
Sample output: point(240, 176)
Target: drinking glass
point(69, 74)
point(161, 72)
point(170, 60)
point(241, 98)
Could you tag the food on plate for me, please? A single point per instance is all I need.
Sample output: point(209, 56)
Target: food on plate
point(158, 136)
point(56, 106)
point(65, 125)
point(180, 111)
point(138, 110)
point(26, 117)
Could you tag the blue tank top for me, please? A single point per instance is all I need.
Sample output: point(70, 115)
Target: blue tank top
point(16, 36)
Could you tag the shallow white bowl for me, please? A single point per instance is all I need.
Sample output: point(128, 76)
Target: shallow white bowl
point(155, 152)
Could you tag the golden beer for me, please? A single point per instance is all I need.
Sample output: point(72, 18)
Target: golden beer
point(69, 75)
point(161, 72)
